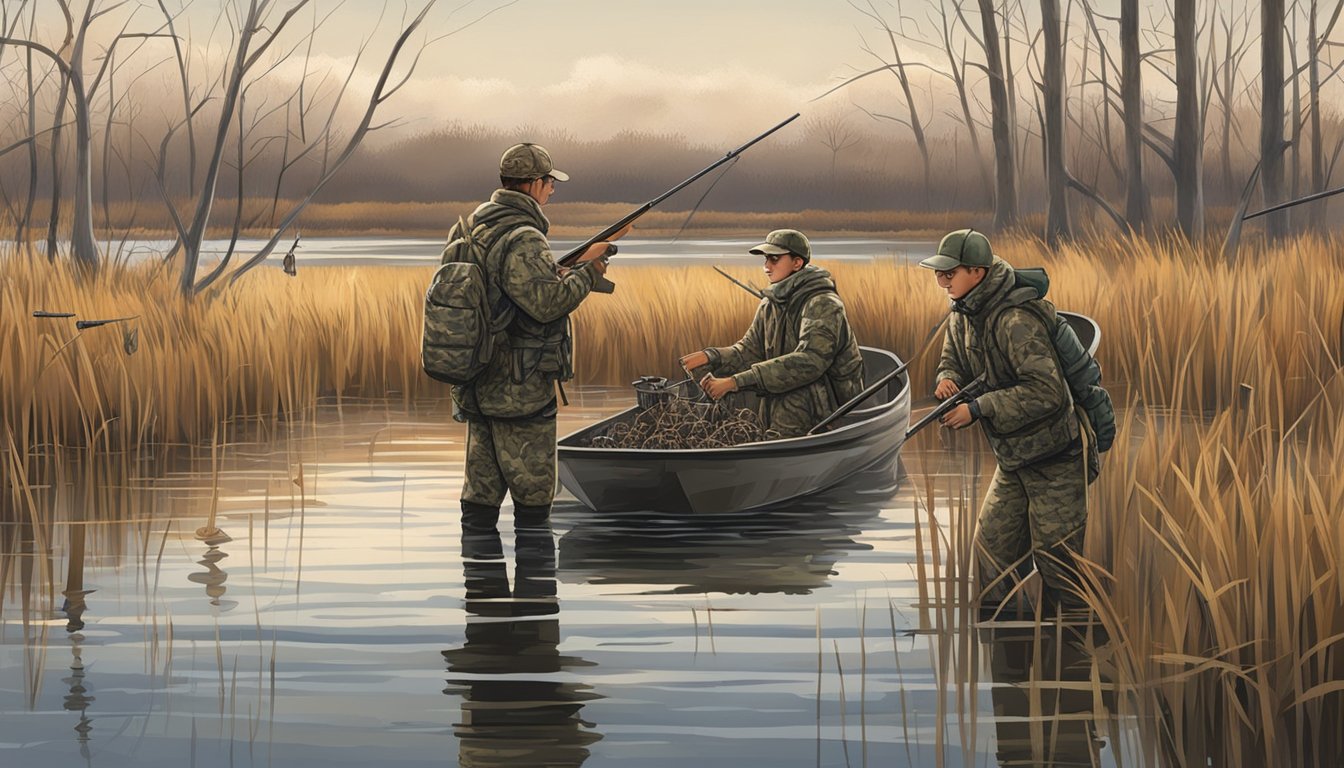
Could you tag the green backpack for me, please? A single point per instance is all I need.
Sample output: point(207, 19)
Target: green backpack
point(462, 326)
point(1081, 370)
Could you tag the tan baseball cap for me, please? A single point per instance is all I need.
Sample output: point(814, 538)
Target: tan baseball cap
point(529, 161)
point(783, 241)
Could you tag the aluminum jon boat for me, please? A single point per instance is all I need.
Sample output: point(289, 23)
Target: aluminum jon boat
point(740, 477)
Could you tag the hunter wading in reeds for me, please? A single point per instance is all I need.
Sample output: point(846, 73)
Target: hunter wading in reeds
point(1003, 328)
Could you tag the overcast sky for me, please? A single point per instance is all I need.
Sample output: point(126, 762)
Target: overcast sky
point(712, 70)
point(702, 68)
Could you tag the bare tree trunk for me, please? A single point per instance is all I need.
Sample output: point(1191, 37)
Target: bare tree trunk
point(916, 126)
point(21, 230)
point(957, 70)
point(170, 22)
point(1052, 91)
point(191, 245)
point(1189, 138)
point(106, 171)
point(54, 214)
point(1271, 112)
point(1294, 121)
point(83, 247)
point(1017, 143)
point(1005, 163)
point(1138, 208)
point(1229, 75)
point(1316, 43)
point(1315, 213)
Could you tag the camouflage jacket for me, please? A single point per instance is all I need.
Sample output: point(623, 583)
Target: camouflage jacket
point(536, 350)
point(799, 353)
point(1028, 412)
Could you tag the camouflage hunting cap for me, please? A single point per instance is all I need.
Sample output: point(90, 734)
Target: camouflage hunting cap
point(783, 241)
point(529, 161)
point(962, 248)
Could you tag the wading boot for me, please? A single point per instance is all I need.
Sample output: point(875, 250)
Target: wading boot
point(530, 518)
point(480, 538)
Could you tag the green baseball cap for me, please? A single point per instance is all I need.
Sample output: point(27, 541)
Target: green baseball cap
point(529, 161)
point(783, 241)
point(962, 248)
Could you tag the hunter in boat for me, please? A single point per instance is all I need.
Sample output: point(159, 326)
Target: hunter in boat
point(799, 355)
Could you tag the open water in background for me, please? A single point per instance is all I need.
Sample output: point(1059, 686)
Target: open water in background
point(345, 623)
point(414, 252)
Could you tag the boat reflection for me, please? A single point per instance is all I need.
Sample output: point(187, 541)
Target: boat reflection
point(1045, 702)
point(518, 706)
point(789, 548)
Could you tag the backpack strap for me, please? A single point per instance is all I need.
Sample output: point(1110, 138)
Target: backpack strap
point(504, 310)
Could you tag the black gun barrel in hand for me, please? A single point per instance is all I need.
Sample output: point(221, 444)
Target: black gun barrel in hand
point(976, 388)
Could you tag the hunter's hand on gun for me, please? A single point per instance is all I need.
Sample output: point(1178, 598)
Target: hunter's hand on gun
point(957, 410)
point(958, 418)
point(598, 252)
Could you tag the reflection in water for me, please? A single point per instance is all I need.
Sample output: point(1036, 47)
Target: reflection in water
point(78, 699)
point(1044, 699)
point(514, 710)
point(213, 577)
point(788, 548)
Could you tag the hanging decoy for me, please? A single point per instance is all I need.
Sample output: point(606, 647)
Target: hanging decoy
point(289, 257)
point(82, 324)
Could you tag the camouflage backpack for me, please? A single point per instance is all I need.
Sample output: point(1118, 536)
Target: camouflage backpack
point(1081, 370)
point(461, 325)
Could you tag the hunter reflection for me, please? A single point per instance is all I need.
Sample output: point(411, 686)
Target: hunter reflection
point(521, 705)
point(1046, 702)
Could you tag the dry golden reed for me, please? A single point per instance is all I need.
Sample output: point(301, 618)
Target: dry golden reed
point(1217, 529)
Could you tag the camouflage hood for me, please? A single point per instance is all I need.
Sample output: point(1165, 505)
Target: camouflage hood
point(506, 204)
point(805, 281)
point(998, 287)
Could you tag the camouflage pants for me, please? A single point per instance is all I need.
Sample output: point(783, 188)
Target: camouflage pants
point(1036, 513)
point(513, 456)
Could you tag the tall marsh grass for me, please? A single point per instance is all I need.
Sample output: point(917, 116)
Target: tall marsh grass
point(1217, 528)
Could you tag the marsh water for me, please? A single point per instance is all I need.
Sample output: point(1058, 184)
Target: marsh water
point(338, 617)
point(420, 251)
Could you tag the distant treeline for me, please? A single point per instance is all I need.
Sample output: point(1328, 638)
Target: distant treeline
point(879, 171)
